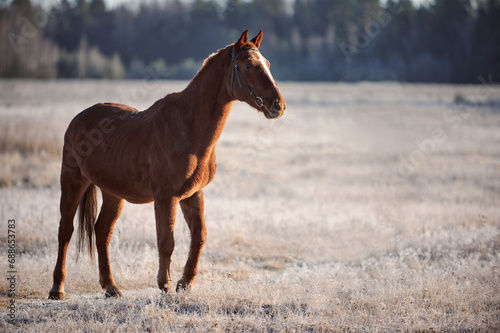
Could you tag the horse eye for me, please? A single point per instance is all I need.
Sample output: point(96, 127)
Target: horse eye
point(248, 66)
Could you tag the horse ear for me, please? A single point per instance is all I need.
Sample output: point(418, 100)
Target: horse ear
point(243, 40)
point(257, 39)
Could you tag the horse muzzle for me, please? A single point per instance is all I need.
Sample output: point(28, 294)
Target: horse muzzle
point(276, 110)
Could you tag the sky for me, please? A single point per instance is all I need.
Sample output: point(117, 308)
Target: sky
point(115, 3)
point(134, 3)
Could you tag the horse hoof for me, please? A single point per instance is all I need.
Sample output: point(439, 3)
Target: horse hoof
point(183, 285)
point(113, 293)
point(57, 295)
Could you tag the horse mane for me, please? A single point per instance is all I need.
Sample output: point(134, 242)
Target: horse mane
point(211, 57)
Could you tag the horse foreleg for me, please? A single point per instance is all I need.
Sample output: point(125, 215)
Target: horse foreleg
point(193, 208)
point(165, 211)
point(72, 188)
point(110, 211)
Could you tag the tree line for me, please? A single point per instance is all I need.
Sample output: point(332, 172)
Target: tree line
point(452, 41)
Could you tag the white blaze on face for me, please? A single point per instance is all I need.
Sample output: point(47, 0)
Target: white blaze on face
point(263, 62)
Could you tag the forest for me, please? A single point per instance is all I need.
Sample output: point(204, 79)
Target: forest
point(444, 41)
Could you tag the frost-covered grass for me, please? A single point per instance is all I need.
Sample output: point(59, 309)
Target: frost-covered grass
point(367, 207)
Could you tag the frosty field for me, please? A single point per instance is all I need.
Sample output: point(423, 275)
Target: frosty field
point(367, 207)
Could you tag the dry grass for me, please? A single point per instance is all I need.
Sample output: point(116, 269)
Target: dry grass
point(30, 153)
point(316, 222)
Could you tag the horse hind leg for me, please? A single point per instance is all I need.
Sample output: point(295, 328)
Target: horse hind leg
point(110, 211)
point(73, 186)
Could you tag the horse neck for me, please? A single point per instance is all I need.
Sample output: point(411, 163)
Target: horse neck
point(206, 101)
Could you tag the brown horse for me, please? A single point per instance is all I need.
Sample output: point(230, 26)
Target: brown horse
point(164, 154)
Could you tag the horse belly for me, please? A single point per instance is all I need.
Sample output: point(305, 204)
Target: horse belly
point(130, 184)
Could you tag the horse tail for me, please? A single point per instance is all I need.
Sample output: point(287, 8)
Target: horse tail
point(86, 220)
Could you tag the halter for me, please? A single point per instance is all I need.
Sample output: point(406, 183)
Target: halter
point(236, 72)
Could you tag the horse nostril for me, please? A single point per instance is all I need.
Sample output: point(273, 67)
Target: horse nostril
point(276, 105)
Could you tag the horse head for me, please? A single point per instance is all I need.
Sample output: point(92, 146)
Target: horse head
point(251, 79)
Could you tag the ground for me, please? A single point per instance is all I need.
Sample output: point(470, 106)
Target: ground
point(367, 207)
